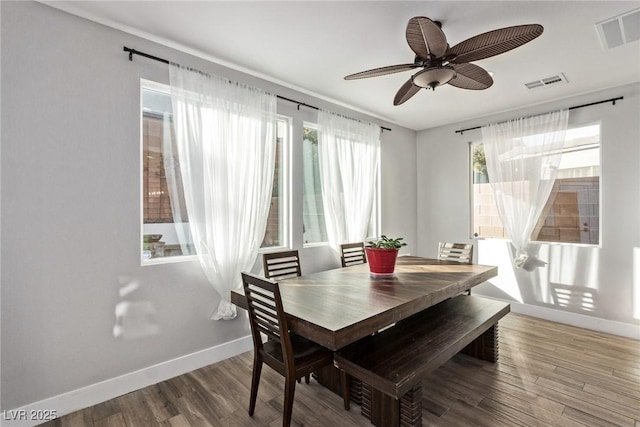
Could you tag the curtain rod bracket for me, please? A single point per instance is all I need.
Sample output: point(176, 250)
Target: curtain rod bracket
point(131, 52)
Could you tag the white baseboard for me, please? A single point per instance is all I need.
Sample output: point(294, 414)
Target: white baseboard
point(66, 403)
point(622, 329)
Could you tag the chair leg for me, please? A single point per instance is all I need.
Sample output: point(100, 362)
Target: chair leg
point(289, 390)
point(255, 382)
point(346, 389)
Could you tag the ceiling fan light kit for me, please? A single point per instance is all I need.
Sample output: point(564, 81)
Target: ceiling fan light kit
point(430, 78)
point(442, 64)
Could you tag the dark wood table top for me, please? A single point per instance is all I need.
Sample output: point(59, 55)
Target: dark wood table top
point(337, 307)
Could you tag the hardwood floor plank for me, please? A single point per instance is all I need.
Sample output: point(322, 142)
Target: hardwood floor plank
point(621, 373)
point(588, 419)
point(517, 417)
point(582, 402)
point(526, 401)
point(609, 402)
point(161, 407)
point(176, 421)
point(115, 420)
point(135, 410)
point(547, 374)
point(607, 382)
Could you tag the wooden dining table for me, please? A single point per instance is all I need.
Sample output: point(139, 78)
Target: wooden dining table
point(335, 308)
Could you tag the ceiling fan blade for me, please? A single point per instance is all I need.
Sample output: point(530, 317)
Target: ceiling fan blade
point(493, 43)
point(426, 38)
point(470, 76)
point(381, 71)
point(406, 91)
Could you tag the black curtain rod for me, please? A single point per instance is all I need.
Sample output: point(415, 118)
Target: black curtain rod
point(612, 100)
point(155, 58)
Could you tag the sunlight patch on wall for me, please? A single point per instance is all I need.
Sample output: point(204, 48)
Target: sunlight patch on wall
point(573, 277)
point(134, 319)
point(496, 252)
point(574, 265)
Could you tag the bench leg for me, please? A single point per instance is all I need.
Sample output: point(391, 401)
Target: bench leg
point(383, 410)
point(485, 347)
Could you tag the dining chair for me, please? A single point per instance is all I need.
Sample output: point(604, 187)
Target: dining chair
point(352, 254)
point(281, 265)
point(292, 356)
point(459, 252)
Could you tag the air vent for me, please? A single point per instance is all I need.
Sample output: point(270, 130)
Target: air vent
point(547, 81)
point(619, 30)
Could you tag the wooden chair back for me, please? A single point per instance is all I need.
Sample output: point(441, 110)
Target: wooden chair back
point(352, 254)
point(281, 265)
point(460, 252)
point(266, 315)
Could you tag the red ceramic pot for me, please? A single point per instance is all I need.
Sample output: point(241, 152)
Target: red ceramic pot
point(381, 261)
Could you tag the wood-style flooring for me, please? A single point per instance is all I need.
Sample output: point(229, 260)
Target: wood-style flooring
point(548, 374)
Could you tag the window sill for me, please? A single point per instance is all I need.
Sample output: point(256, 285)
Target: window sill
point(168, 260)
point(542, 242)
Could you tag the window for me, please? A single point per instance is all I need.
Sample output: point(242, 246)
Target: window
point(572, 212)
point(162, 235)
point(165, 225)
point(314, 228)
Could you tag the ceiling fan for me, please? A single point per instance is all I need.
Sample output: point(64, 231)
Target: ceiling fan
point(442, 64)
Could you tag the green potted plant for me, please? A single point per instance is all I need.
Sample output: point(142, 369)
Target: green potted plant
point(382, 254)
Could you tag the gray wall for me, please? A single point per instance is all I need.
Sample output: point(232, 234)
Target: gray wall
point(70, 207)
point(606, 271)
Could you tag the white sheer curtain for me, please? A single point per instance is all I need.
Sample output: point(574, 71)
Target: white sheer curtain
point(171, 172)
point(226, 139)
point(348, 152)
point(522, 157)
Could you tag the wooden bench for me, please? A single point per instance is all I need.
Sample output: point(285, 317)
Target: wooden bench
point(388, 367)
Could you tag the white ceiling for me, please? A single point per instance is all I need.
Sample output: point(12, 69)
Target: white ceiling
point(313, 45)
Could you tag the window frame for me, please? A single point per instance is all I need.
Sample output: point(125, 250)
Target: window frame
point(285, 188)
point(472, 218)
point(159, 87)
point(309, 125)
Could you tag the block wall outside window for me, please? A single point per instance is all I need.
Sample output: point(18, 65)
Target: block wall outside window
point(572, 212)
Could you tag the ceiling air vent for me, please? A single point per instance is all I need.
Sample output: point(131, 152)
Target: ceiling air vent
point(548, 81)
point(619, 30)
